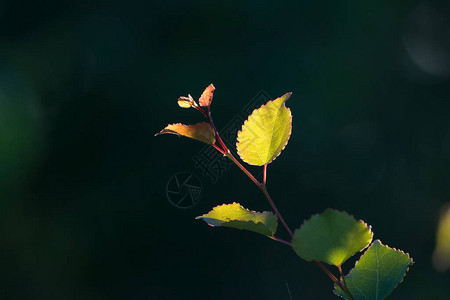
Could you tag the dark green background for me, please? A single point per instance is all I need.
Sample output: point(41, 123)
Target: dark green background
point(85, 85)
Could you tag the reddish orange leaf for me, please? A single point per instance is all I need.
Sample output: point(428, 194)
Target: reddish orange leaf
point(202, 131)
point(206, 97)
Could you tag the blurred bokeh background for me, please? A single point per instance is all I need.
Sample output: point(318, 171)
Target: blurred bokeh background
point(84, 86)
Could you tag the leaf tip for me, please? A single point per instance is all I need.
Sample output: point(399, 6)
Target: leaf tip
point(287, 96)
point(207, 95)
point(201, 131)
point(411, 260)
point(164, 130)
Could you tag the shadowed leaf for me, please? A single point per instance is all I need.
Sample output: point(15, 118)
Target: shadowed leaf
point(235, 216)
point(332, 237)
point(265, 133)
point(207, 95)
point(377, 273)
point(202, 131)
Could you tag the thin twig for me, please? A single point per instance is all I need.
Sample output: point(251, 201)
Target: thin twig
point(237, 163)
point(216, 133)
point(265, 175)
point(264, 190)
point(342, 277)
point(280, 240)
point(335, 280)
point(275, 209)
point(219, 149)
point(201, 110)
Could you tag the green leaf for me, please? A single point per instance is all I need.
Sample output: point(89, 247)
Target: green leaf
point(202, 131)
point(235, 216)
point(377, 273)
point(265, 133)
point(332, 237)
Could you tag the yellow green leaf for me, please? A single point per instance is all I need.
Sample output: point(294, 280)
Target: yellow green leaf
point(202, 131)
point(186, 102)
point(265, 133)
point(235, 216)
point(207, 95)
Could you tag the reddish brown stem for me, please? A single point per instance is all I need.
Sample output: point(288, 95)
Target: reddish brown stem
point(335, 280)
point(280, 240)
point(219, 149)
point(216, 133)
point(262, 187)
point(237, 163)
point(275, 209)
point(342, 277)
point(201, 110)
point(265, 175)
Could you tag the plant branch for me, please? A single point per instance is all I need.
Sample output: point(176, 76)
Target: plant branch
point(342, 277)
point(201, 110)
point(265, 175)
point(335, 280)
point(262, 187)
point(237, 163)
point(275, 209)
point(216, 133)
point(219, 149)
point(280, 240)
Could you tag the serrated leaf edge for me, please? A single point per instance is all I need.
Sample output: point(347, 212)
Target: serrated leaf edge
point(239, 219)
point(210, 86)
point(398, 250)
point(248, 210)
point(169, 131)
point(343, 211)
point(290, 132)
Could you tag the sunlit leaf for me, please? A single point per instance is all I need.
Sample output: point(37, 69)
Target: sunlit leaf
point(207, 95)
point(379, 270)
point(202, 131)
point(186, 102)
point(265, 133)
point(331, 237)
point(235, 216)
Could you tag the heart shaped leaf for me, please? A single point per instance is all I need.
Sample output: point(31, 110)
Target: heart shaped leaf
point(207, 95)
point(377, 273)
point(235, 216)
point(332, 237)
point(265, 133)
point(202, 131)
